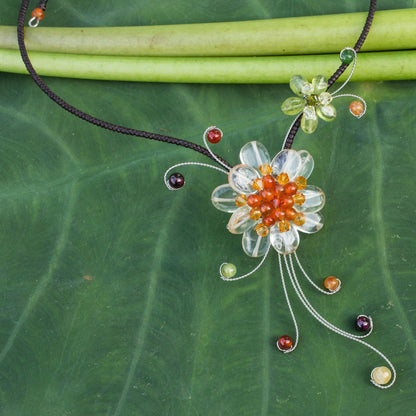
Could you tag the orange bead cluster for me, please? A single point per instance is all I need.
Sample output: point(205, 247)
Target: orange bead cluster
point(274, 201)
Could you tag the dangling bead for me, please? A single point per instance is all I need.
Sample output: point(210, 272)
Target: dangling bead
point(356, 108)
point(284, 343)
point(363, 323)
point(38, 13)
point(331, 283)
point(381, 375)
point(176, 180)
point(228, 270)
point(214, 135)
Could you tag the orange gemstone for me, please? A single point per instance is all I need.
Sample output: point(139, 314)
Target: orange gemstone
point(298, 198)
point(284, 226)
point(258, 184)
point(268, 221)
point(283, 178)
point(265, 169)
point(279, 189)
point(279, 214)
point(38, 13)
point(291, 188)
point(255, 214)
point(266, 207)
point(267, 195)
point(299, 219)
point(331, 283)
point(286, 201)
point(290, 214)
point(301, 182)
point(262, 230)
point(240, 200)
point(357, 108)
point(268, 181)
point(254, 200)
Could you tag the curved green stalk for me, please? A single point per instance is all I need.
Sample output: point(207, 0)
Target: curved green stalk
point(374, 66)
point(391, 30)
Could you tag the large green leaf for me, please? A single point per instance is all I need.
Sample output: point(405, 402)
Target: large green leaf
point(111, 302)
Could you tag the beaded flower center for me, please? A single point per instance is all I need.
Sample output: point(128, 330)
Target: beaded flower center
point(275, 201)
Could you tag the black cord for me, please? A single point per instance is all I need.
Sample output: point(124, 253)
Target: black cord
point(292, 133)
point(84, 116)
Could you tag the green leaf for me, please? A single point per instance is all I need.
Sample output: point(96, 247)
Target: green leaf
point(111, 301)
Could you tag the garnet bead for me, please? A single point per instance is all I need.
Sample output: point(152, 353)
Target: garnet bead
point(214, 135)
point(290, 214)
point(268, 221)
point(267, 194)
point(363, 323)
point(291, 188)
point(287, 202)
point(279, 214)
point(268, 181)
point(266, 207)
point(284, 343)
point(176, 180)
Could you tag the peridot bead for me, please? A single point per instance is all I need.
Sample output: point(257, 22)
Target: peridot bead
point(297, 82)
point(293, 105)
point(346, 56)
point(228, 270)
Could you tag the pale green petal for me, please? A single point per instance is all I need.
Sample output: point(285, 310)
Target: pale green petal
point(287, 161)
point(254, 154)
point(326, 112)
point(254, 245)
point(240, 221)
point(223, 198)
point(297, 82)
point(306, 164)
point(320, 84)
point(293, 105)
point(309, 121)
point(314, 222)
point(241, 178)
point(284, 243)
point(314, 199)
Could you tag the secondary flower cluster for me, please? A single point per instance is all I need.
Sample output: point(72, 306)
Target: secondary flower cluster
point(270, 199)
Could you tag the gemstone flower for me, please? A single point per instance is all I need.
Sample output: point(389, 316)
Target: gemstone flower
point(270, 199)
point(313, 100)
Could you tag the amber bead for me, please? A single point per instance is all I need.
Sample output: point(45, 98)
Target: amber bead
point(381, 375)
point(284, 226)
point(283, 178)
point(265, 169)
point(262, 230)
point(286, 201)
point(255, 214)
point(291, 188)
point(331, 283)
point(285, 343)
point(267, 194)
point(298, 198)
point(299, 219)
point(240, 200)
point(268, 221)
point(258, 184)
point(265, 207)
point(301, 182)
point(254, 200)
point(38, 13)
point(357, 108)
point(214, 135)
point(268, 181)
point(290, 214)
point(279, 214)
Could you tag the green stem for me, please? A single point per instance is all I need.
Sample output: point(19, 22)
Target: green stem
point(374, 66)
point(391, 30)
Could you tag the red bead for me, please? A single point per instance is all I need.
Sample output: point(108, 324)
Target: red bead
point(286, 201)
point(38, 13)
point(267, 195)
point(279, 214)
point(268, 221)
point(279, 189)
point(290, 214)
point(291, 188)
point(214, 135)
point(266, 207)
point(254, 200)
point(176, 180)
point(268, 181)
point(285, 342)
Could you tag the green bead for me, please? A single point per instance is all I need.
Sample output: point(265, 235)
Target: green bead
point(346, 56)
point(293, 105)
point(228, 270)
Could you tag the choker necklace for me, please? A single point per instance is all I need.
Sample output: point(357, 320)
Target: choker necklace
point(270, 199)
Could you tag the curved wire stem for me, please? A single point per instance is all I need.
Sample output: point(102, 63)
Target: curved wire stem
point(319, 318)
point(290, 310)
point(232, 279)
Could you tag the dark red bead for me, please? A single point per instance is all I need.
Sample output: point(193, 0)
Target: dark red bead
point(363, 323)
point(268, 181)
point(285, 342)
point(214, 136)
point(291, 188)
point(268, 220)
point(176, 180)
point(266, 207)
point(267, 195)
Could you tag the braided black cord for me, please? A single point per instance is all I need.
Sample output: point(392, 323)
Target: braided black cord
point(84, 116)
point(292, 133)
